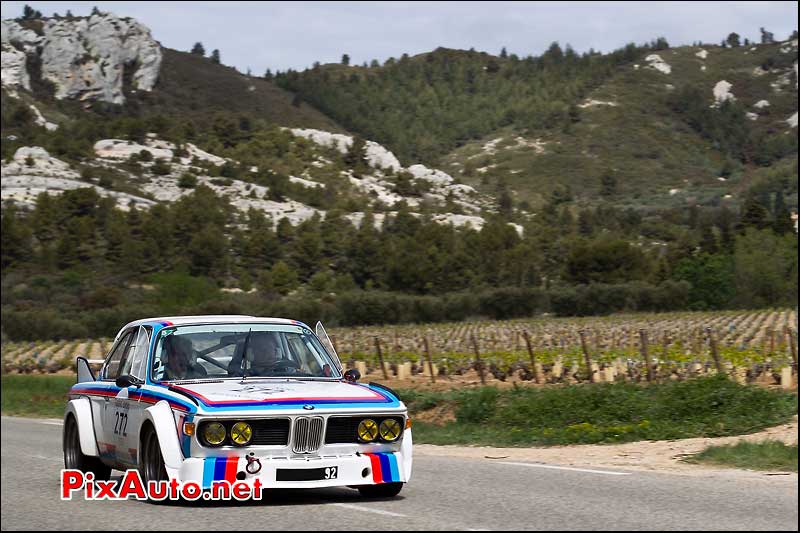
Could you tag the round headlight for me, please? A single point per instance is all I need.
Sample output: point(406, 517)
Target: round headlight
point(241, 433)
point(390, 429)
point(367, 430)
point(214, 433)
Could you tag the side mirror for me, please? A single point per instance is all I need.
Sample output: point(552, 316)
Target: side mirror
point(123, 382)
point(352, 375)
point(84, 371)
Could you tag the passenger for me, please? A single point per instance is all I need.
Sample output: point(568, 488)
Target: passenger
point(179, 360)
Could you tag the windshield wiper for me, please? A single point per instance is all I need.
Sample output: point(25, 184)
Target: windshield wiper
point(244, 354)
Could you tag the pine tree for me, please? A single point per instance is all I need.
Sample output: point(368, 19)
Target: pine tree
point(503, 53)
point(198, 49)
point(767, 37)
point(754, 214)
point(608, 183)
point(355, 158)
point(782, 220)
point(345, 59)
point(215, 56)
point(16, 238)
point(708, 241)
point(733, 40)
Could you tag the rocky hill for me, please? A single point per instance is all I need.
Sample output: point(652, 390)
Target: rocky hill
point(650, 178)
point(78, 73)
point(664, 127)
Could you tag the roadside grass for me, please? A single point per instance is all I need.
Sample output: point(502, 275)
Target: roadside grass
point(35, 396)
point(527, 416)
point(598, 413)
point(768, 455)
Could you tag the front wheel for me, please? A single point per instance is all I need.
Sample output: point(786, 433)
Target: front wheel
point(152, 462)
point(383, 490)
point(74, 458)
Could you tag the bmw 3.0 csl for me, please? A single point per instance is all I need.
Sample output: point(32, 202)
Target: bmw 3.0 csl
point(239, 399)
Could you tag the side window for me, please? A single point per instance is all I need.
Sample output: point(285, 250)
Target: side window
point(115, 358)
point(135, 363)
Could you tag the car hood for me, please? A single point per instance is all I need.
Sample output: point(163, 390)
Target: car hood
point(286, 393)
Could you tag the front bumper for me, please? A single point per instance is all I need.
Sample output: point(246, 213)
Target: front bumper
point(351, 469)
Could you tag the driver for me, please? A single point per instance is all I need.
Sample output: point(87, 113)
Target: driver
point(179, 359)
point(263, 352)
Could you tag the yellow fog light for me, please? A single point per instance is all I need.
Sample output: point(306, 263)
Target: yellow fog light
point(367, 430)
point(214, 433)
point(241, 433)
point(390, 430)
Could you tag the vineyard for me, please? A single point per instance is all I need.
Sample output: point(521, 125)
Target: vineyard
point(751, 346)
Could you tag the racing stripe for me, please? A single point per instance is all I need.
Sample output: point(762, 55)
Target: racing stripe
point(386, 469)
point(186, 440)
point(377, 476)
point(208, 472)
point(395, 472)
point(219, 468)
point(231, 467)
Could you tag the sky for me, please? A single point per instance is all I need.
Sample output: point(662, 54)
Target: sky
point(283, 35)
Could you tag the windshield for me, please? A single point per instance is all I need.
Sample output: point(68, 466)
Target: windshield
point(237, 350)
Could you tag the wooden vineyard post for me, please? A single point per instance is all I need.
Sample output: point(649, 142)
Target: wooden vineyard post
point(712, 339)
point(793, 348)
point(380, 358)
point(532, 356)
point(428, 358)
point(645, 354)
point(478, 358)
point(586, 355)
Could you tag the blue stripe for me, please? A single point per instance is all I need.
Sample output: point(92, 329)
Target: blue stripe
point(393, 465)
point(386, 470)
point(388, 401)
point(219, 468)
point(110, 387)
point(186, 440)
point(208, 472)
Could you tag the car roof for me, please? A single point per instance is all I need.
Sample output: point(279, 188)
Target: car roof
point(208, 319)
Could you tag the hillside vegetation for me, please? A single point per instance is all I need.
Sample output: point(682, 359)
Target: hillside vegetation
point(198, 197)
point(641, 126)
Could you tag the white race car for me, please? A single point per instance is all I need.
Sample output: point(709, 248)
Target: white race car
point(235, 398)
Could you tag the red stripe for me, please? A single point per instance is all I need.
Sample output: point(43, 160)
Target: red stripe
point(92, 392)
point(231, 466)
point(377, 472)
point(307, 399)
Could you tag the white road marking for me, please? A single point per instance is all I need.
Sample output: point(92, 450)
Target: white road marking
point(47, 421)
point(43, 458)
point(535, 465)
point(368, 509)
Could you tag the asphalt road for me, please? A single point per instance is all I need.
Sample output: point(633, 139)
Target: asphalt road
point(444, 494)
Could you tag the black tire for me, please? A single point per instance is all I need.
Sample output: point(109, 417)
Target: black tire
point(74, 458)
point(383, 490)
point(152, 462)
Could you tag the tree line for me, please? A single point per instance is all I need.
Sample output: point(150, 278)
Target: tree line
point(84, 263)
